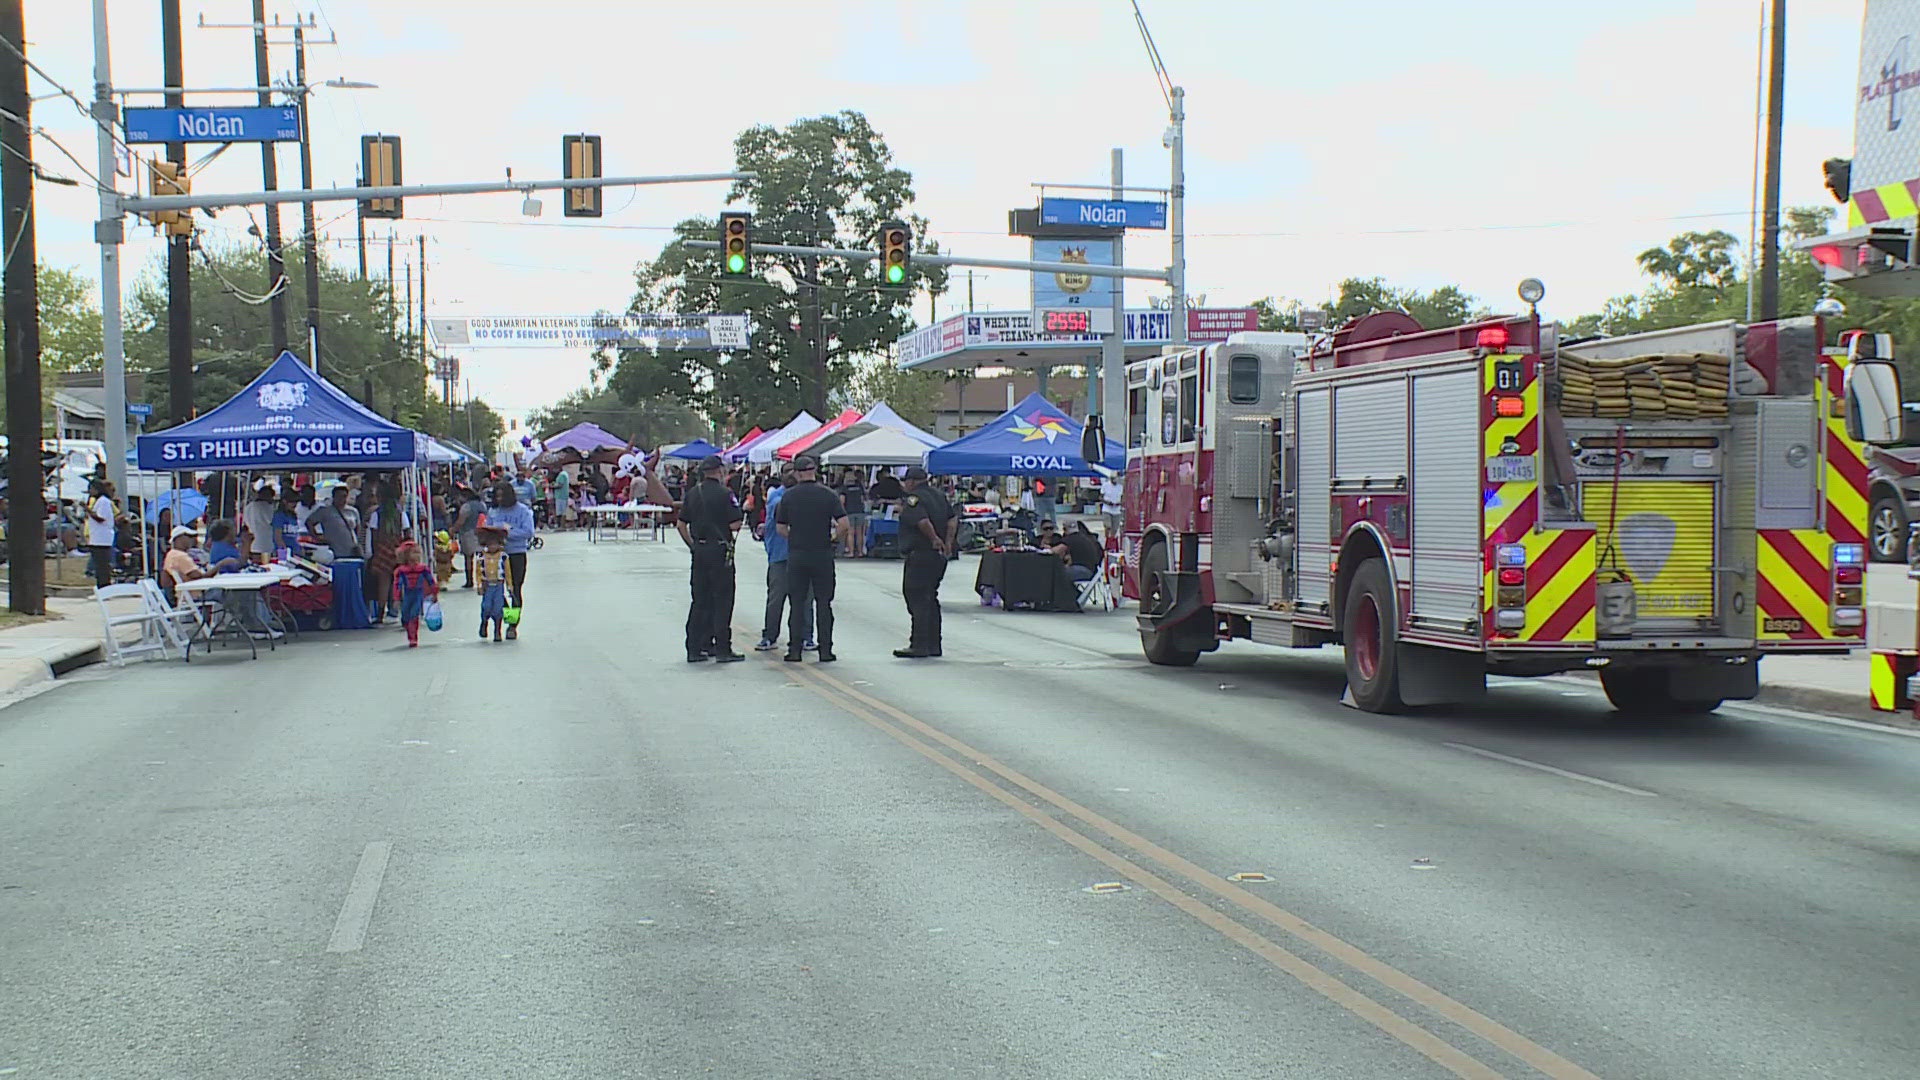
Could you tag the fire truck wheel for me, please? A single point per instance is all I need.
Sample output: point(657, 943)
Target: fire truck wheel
point(1160, 649)
point(1648, 692)
point(1373, 672)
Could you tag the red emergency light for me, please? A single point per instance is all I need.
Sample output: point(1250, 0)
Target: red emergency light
point(1509, 406)
point(1493, 337)
point(1827, 255)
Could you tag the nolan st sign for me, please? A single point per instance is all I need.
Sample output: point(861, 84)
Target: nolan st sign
point(278, 124)
point(1106, 213)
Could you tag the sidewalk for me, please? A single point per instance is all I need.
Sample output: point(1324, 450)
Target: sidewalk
point(37, 651)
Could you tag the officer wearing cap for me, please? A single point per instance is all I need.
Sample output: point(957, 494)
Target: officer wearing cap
point(927, 526)
point(814, 522)
point(709, 520)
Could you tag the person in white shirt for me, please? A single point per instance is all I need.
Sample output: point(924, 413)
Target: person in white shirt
point(102, 518)
point(258, 516)
point(1110, 505)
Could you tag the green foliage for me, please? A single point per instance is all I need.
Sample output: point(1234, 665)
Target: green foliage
point(1447, 305)
point(69, 321)
point(827, 180)
point(649, 422)
point(362, 346)
point(915, 395)
point(1693, 260)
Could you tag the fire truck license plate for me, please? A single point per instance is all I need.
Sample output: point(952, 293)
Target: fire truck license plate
point(1500, 470)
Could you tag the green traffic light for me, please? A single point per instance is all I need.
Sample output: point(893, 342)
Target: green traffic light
point(737, 264)
point(896, 274)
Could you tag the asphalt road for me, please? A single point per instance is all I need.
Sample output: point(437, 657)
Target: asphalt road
point(578, 856)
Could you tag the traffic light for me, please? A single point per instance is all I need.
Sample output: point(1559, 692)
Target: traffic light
point(170, 178)
point(896, 248)
point(579, 160)
point(380, 167)
point(736, 242)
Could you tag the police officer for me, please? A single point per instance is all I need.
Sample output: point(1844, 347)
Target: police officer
point(709, 520)
point(927, 526)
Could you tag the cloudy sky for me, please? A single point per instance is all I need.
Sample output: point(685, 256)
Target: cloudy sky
point(1470, 143)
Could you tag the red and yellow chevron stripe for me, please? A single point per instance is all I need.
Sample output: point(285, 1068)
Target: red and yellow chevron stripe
point(1796, 565)
point(1884, 202)
point(1560, 562)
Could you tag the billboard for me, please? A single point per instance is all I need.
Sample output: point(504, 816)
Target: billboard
point(1068, 290)
point(592, 331)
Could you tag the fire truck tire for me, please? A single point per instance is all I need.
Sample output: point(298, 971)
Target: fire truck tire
point(1647, 692)
point(1370, 630)
point(1164, 646)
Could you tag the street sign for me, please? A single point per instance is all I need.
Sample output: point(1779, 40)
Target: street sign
point(1311, 319)
point(1107, 213)
point(662, 330)
point(139, 408)
point(278, 124)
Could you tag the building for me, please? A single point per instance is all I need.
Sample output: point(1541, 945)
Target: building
point(79, 405)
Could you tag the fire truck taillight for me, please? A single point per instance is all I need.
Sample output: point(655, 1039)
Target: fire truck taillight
point(1510, 598)
point(1509, 406)
point(1493, 337)
point(1849, 572)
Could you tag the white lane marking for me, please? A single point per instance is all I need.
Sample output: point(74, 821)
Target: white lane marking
point(436, 686)
point(350, 929)
point(1554, 769)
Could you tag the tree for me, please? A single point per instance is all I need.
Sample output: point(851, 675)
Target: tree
point(827, 180)
point(649, 423)
point(915, 395)
point(69, 321)
point(364, 349)
point(1447, 305)
point(1693, 260)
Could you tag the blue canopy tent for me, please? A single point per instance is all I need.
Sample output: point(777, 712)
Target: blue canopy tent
point(1033, 438)
point(695, 450)
point(287, 418)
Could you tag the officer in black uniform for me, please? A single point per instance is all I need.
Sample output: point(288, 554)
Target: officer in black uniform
point(927, 526)
point(709, 520)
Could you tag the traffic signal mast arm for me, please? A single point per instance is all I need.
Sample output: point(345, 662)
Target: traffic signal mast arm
point(1089, 269)
point(139, 205)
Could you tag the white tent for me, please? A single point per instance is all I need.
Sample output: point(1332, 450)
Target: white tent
point(883, 446)
point(882, 415)
point(801, 425)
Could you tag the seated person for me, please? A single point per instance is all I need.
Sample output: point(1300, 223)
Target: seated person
point(223, 555)
point(1084, 553)
point(1050, 540)
point(179, 566)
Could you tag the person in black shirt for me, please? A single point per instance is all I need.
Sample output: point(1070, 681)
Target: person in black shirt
point(1084, 553)
point(813, 521)
point(708, 522)
point(853, 497)
point(927, 526)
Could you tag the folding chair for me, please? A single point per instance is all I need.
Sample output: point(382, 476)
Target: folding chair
point(153, 638)
point(178, 625)
point(1098, 589)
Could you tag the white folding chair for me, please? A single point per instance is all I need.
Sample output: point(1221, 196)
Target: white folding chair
point(116, 615)
point(180, 624)
point(1098, 589)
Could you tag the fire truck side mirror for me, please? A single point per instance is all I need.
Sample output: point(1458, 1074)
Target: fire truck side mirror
point(1874, 414)
point(1093, 442)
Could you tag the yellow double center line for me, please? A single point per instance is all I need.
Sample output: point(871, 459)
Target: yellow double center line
point(928, 740)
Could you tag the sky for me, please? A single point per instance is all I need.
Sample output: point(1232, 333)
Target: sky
point(1472, 143)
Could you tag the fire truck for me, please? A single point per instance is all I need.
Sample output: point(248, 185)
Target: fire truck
point(1664, 508)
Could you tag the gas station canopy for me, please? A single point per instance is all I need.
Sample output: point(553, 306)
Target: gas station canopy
point(1007, 339)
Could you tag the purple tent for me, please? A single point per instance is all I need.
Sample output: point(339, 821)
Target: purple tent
point(584, 438)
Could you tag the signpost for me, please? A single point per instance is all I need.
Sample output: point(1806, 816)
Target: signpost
point(213, 125)
point(140, 409)
point(1103, 213)
point(670, 331)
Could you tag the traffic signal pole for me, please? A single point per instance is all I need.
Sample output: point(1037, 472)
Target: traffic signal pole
point(141, 204)
point(109, 231)
point(858, 255)
point(27, 566)
point(1108, 385)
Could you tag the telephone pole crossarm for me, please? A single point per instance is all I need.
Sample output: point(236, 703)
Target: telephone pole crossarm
point(134, 204)
point(858, 255)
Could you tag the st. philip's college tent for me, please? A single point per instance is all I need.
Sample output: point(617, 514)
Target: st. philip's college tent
point(1034, 438)
point(287, 418)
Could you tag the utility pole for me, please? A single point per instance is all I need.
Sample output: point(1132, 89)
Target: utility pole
point(359, 225)
point(311, 250)
point(269, 176)
point(109, 232)
point(19, 296)
point(179, 248)
point(390, 309)
point(423, 299)
point(1103, 389)
point(1177, 213)
point(1770, 220)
